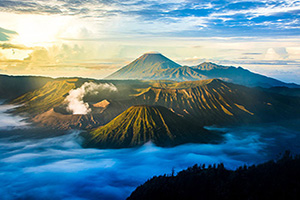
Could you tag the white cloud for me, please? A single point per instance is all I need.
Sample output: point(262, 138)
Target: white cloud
point(294, 53)
point(76, 105)
point(272, 55)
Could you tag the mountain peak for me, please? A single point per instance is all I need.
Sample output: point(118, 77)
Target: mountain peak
point(145, 65)
point(153, 57)
point(152, 52)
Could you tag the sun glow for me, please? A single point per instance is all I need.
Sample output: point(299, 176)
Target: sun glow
point(38, 30)
point(31, 33)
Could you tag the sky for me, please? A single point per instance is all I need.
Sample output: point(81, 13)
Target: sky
point(93, 38)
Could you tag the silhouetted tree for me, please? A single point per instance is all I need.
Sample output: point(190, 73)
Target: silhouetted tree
point(271, 180)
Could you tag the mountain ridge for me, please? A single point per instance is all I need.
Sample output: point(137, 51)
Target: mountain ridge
point(155, 66)
point(207, 102)
point(239, 75)
point(216, 102)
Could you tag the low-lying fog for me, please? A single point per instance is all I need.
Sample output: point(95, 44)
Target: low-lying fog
point(58, 168)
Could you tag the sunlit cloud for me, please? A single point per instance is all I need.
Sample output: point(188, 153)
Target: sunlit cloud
point(68, 37)
point(209, 15)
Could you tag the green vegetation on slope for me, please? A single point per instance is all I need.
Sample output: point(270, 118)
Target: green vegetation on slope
point(41, 100)
point(206, 102)
point(271, 180)
point(217, 102)
point(140, 124)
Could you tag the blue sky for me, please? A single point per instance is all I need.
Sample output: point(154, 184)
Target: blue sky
point(201, 18)
point(262, 36)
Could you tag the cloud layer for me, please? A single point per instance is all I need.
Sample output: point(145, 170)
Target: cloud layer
point(36, 166)
point(10, 122)
point(30, 168)
point(177, 17)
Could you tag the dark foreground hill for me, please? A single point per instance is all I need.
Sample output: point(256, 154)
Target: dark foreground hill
point(271, 180)
point(140, 124)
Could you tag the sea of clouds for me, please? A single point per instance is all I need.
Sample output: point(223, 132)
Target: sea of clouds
point(7, 121)
point(59, 168)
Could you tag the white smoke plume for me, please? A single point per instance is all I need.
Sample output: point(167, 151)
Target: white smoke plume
point(76, 105)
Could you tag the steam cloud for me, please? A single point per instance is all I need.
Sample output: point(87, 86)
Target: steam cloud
point(76, 105)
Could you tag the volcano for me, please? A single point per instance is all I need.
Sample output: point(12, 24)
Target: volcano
point(140, 124)
point(145, 66)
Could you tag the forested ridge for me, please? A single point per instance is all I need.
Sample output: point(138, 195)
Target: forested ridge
point(271, 180)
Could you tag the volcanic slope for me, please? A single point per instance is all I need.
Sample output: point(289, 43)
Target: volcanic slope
point(184, 73)
point(41, 100)
point(140, 124)
point(217, 102)
point(57, 118)
point(145, 66)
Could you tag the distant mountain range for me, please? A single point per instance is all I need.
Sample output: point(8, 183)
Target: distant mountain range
point(155, 66)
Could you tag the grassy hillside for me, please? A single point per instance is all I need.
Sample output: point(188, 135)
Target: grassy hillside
point(207, 102)
point(140, 124)
point(50, 95)
point(217, 102)
point(53, 93)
